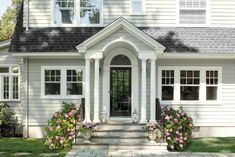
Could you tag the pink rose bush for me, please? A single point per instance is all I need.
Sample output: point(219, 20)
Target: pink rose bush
point(177, 128)
point(61, 131)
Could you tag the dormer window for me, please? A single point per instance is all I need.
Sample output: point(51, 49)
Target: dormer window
point(64, 12)
point(90, 12)
point(77, 12)
point(137, 7)
point(192, 11)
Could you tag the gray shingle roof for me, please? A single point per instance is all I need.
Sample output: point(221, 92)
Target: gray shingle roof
point(175, 39)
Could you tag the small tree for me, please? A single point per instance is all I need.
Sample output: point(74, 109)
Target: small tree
point(8, 20)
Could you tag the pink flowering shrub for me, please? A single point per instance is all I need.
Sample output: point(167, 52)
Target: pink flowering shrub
point(177, 128)
point(61, 131)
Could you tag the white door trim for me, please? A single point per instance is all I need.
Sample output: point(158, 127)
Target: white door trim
point(134, 81)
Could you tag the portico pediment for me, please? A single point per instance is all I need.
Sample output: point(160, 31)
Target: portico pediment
point(120, 33)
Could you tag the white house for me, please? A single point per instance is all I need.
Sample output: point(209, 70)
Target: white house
point(120, 55)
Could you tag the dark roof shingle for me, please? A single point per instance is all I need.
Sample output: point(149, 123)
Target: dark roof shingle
point(175, 39)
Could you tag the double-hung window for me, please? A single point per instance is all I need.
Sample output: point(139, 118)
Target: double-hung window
point(81, 12)
point(62, 82)
point(90, 12)
point(64, 12)
point(190, 85)
point(137, 7)
point(192, 11)
point(211, 84)
point(9, 83)
point(167, 84)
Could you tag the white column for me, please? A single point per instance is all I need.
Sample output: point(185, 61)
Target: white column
point(87, 92)
point(143, 118)
point(96, 92)
point(153, 92)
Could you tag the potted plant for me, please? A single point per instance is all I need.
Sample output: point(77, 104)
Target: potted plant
point(87, 131)
point(154, 131)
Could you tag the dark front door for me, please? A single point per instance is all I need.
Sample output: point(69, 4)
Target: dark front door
point(120, 92)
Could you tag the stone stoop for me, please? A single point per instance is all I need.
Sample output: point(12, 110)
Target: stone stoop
point(121, 137)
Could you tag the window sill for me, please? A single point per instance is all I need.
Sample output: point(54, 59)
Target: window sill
point(137, 14)
point(76, 25)
point(62, 97)
point(191, 102)
point(18, 100)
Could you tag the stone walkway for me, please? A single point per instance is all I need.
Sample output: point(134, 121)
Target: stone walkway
point(138, 153)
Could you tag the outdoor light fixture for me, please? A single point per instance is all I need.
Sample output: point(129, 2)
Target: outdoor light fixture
point(135, 117)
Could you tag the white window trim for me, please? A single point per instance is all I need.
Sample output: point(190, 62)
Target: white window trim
point(76, 16)
point(208, 16)
point(10, 75)
point(202, 89)
point(63, 82)
point(138, 13)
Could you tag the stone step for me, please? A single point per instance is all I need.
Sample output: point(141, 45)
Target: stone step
point(122, 146)
point(122, 133)
point(120, 127)
point(118, 140)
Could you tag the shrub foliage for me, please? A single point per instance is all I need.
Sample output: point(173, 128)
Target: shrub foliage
point(6, 118)
point(177, 128)
point(61, 130)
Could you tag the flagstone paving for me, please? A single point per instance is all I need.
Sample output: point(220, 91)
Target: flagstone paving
point(138, 153)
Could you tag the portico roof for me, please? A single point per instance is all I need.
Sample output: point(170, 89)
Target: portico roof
point(121, 23)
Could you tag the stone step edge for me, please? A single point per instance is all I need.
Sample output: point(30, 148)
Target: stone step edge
point(115, 137)
point(121, 144)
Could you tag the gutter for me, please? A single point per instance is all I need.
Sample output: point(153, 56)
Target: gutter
point(27, 14)
point(26, 109)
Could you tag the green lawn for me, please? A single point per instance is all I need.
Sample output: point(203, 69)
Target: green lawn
point(221, 145)
point(33, 146)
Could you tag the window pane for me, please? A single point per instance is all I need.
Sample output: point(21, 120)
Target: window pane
point(192, 16)
point(15, 69)
point(74, 88)
point(137, 6)
point(189, 93)
point(52, 88)
point(5, 87)
point(64, 12)
point(52, 82)
point(4, 69)
point(90, 11)
point(74, 82)
point(167, 92)
point(15, 87)
point(211, 93)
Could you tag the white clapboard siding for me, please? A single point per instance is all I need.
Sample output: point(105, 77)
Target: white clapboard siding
point(223, 12)
point(41, 109)
point(210, 114)
point(7, 59)
point(157, 12)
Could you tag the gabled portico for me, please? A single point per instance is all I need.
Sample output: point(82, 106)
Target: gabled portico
point(123, 39)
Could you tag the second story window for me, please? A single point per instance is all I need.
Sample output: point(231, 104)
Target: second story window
point(64, 12)
point(90, 11)
point(192, 11)
point(137, 7)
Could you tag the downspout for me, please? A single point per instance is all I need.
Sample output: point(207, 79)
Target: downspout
point(27, 14)
point(26, 133)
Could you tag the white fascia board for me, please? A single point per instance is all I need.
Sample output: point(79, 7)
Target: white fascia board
point(121, 23)
point(48, 54)
point(195, 56)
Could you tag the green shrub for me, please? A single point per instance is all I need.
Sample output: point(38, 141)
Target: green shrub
point(61, 130)
point(6, 118)
point(177, 128)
